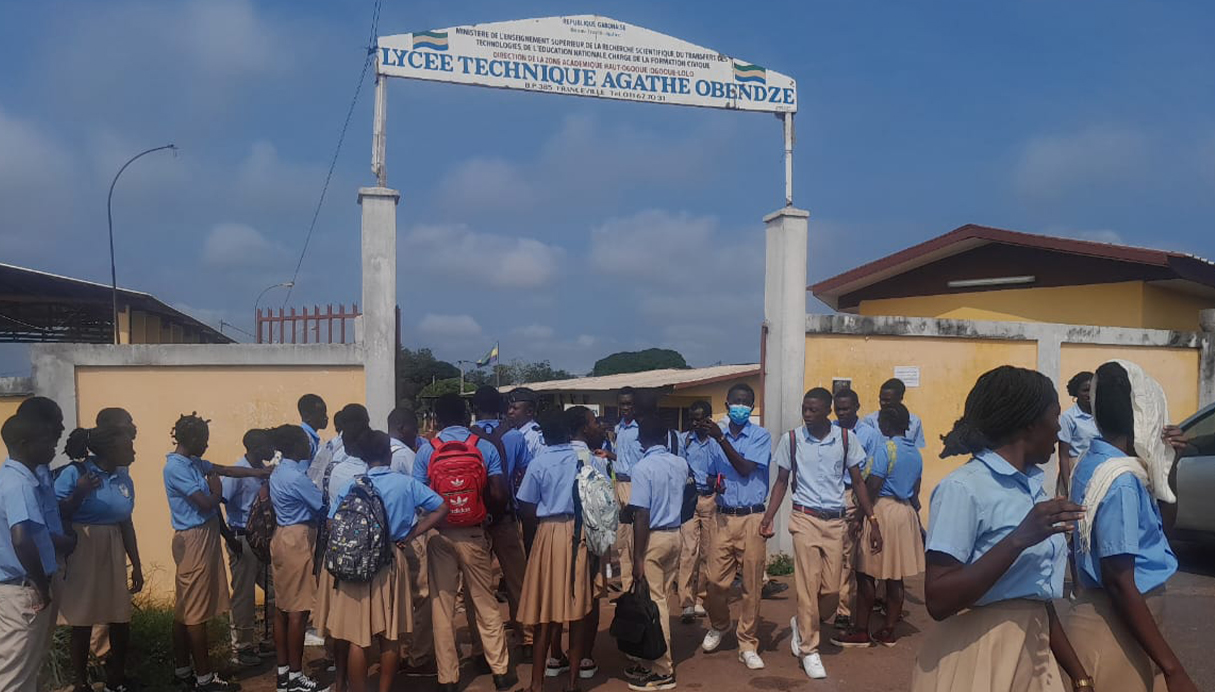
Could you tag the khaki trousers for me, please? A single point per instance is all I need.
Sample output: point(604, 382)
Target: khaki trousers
point(661, 566)
point(624, 537)
point(737, 546)
point(697, 538)
point(818, 546)
point(247, 573)
point(506, 542)
point(848, 564)
point(420, 644)
point(25, 637)
point(452, 553)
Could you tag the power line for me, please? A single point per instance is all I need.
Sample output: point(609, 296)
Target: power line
point(320, 202)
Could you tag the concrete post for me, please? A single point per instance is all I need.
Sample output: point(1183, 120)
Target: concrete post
point(1206, 358)
point(378, 329)
point(785, 315)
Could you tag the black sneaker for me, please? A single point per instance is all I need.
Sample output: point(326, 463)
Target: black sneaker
point(636, 672)
point(772, 588)
point(554, 667)
point(246, 658)
point(303, 683)
point(217, 684)
point(653, 681)
point(281, 682)
point(505, 682)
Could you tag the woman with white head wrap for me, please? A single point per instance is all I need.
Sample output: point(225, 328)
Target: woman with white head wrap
point(1121, 552)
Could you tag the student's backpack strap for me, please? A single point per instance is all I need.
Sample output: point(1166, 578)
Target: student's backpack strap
point(673, 442)
point(793, 459)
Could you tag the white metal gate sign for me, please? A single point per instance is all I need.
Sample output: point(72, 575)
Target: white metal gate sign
point(586, 55)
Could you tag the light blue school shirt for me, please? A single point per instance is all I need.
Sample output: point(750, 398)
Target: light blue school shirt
point(977, 506)
point(754, 444)
point(239, 494)
point(518, 456)
point(658, 481)
point(296, 500)
point(346, 467)
point(1077, 430)
point(915, 429)
point(628, 449)
point(1128, 522)
point(820, 466)
point(703, 456)
point(549, 481)
point(403, 496)
point(899, 461)
point(314, 440)
point(533, 437)
point(184, 477)
point(402, 457)
point(26, 498)
point(869, 437)
point(421, 464)
point(111, 503)
point(588, 458)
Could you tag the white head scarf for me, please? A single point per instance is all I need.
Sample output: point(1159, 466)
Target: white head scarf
point(1153, 458)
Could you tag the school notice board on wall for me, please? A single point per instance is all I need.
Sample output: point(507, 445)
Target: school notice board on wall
point(909, 374)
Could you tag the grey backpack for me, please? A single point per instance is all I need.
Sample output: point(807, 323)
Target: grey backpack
point(359, 545)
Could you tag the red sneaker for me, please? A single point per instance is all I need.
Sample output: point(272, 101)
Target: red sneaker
point(885, 637)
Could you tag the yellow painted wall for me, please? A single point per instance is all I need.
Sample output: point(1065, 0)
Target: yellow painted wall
point(1175, 368)
point(233, 398)
point(948, 369)
point(1127, 304)
point(8, 407)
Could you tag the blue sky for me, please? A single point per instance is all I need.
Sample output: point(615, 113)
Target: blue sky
point(569, 228)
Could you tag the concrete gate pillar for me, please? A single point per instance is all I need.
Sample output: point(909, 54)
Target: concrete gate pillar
point(379, 331)
point(785, 349)
point(1206, 358)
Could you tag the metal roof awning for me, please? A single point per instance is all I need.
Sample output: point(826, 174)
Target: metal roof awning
point(651, 379)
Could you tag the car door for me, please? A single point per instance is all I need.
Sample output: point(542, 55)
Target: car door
point(1196, 479)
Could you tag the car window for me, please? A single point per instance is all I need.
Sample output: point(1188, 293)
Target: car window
point(1202, 426)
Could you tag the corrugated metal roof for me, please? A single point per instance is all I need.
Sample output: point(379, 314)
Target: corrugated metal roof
point(671, 377)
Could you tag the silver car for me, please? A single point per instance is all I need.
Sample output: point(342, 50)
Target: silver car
point(1193, 479)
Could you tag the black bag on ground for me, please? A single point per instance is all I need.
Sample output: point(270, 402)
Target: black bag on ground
point(637, 626)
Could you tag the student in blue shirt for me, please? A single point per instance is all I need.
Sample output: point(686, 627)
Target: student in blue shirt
point(746, 450)
point(297, 509)
point(400, 421)
point(587, 437)
point(193, 488)
point(817, 455)
point(29, 535)
point(626, 452)
point(314, 417)
point(696, 536)
point(557, 585)
point(1121, 552)
point(358, 615)
point(1077, 428)
point(246, 569)
point(464, 550)
point(96, 496)
point(656, 500)
point(345, 465)
point(847, 404)
point(522, 416)
point(420, 653)
point(892, 392)
point(995, 549)
point(894, 479)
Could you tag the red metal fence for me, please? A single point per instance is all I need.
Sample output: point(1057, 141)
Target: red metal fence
point(314, 327)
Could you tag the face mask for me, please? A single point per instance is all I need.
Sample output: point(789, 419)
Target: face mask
point(739, 414)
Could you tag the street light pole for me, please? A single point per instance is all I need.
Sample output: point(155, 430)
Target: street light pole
point(109, 213)
point(256, 303)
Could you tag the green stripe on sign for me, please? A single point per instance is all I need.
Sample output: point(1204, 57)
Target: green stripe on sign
point(432, 34)
point(748, 68)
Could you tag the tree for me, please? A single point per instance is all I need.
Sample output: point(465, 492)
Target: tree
point(639, 361)
point(517, 372)
point(417, 369)
point(440, 387)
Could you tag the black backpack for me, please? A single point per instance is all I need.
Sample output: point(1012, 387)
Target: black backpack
point(359, 545)
point(260, 524)
point(637, 626)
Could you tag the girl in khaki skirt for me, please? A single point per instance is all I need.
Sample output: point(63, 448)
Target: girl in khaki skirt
point(96, 496)
point(194, 493)
point(557, 588)
point(1122, 556)
point(996, 554)
point(894, 479)
point(297, 508)
point(358, 615)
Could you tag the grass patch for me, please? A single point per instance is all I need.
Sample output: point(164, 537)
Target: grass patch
point(780, 565)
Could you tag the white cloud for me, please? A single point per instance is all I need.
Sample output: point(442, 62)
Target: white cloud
point(231, 245)
point(482, 258)
point(449, 326)
point(1051, 166)
point(535, 332)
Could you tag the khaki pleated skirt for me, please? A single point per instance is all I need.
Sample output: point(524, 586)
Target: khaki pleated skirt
point(92, 587)
point(1002, 647)
point(1106, 647)
point(360, 612)
point(548, 595)
point(291, 559)
point(902, 553)
point(201, 586)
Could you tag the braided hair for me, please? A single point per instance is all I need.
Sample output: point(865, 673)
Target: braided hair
point(102, 441)
point(1003, 402)
point(191, 431)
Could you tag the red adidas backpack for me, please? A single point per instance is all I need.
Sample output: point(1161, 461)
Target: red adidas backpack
point(457, 473)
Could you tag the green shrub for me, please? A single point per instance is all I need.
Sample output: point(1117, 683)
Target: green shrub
point(780, 565)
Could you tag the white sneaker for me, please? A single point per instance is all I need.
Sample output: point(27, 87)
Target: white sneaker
point(311, 638)
point(795, 641)
point(700, 611)
point(752, 659)
point(813, 665)
point(712, 640)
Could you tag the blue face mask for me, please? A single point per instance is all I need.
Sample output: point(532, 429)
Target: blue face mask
point(739, 414)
